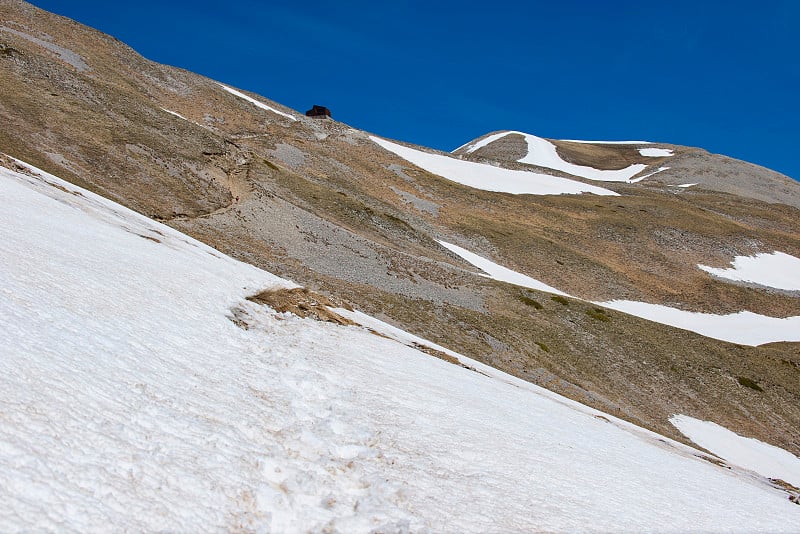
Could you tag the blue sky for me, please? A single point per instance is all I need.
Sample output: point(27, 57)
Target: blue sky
point(723, 76)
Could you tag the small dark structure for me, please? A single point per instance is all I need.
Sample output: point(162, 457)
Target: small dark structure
point(319, 112)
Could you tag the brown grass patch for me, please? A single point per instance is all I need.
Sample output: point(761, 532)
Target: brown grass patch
point(715, 461)
point(749, 383)
point(301, 302)
point(65, 190)
point(605, 157)
point(780, 483)
point(438, 354)
point(445, 357)
point(598, 314)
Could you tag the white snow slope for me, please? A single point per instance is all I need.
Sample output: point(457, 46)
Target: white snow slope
point(130, 401)
point(745, 328)
point(749, 453)
point(778, 270)
point(488, 177)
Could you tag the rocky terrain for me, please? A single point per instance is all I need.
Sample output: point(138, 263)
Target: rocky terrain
point(321, 203)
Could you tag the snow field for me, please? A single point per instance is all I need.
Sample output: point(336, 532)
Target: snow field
point(777, 270)
point(765, 459)
point(490, 178)
point(132, 401)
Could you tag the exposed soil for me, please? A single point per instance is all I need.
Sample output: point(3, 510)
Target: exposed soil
point(301, 302)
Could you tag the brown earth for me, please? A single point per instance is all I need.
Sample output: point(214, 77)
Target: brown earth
point(301, 302)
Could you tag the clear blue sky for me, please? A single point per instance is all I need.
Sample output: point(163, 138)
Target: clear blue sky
point(722, 75)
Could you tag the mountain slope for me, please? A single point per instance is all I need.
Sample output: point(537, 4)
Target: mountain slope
point(631, 160)
point(145, 392)
point(324, 204)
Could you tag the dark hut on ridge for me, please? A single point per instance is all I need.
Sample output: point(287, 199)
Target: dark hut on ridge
point(319, 112)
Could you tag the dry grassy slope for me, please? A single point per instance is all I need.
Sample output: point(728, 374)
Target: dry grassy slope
point(104, 123)
point(320, 203)
point(646, 244)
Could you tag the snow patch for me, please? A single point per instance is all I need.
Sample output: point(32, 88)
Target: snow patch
point(483, 142)
point(687, 185)
point(656, 152)
point(176, 114)
point(498, 272)
point(766, 460)
point(648, 175)
point(488, 177)
point(744, 328)
point(778, 270)
point(255, 102)
point(543, 153)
